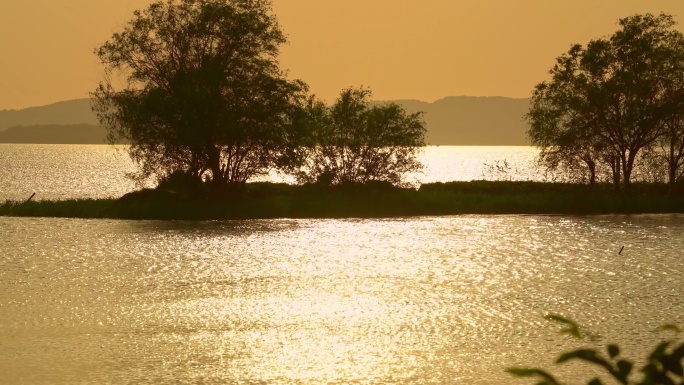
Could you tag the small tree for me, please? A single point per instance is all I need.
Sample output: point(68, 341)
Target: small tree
point(204, 94)
point(355, 141)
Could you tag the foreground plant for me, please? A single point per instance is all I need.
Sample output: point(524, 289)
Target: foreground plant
point(663, 365)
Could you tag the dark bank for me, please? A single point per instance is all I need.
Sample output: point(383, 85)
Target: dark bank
point(375, 200)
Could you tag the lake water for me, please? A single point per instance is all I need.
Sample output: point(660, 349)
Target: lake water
point(99, 171)
point(443, 300)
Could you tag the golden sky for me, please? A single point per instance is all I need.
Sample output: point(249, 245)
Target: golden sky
point(402, 49)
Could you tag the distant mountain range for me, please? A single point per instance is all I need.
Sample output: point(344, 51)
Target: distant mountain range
point(55, 134)
point(454, 120)
point(473, 121)
point(70, 121)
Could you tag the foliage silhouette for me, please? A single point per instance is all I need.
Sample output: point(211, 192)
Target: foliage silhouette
point(204, 93)
point(663, 365)
point(612, 99)
point(354, 141)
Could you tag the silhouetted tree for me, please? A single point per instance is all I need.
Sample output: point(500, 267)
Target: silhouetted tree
point(354, 141)
point(668, 149)
point(672, 148)
point(203, 91)
point(617, 92)
point(564, 136)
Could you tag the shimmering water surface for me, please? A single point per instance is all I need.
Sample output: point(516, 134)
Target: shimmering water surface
point(55, 171)
point(445, 300)
point(451, 300)
point(99, 171)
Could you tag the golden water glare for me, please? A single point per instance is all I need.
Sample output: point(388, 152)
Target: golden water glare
point(99, 171)
point(412, 300)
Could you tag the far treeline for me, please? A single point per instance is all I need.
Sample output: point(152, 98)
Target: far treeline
point(206, 106)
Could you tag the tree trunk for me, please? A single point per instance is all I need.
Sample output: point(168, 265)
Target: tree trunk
point(672, 166)
point(615, 168)
point(217, 177)
point(627, 167)
point(592, 174)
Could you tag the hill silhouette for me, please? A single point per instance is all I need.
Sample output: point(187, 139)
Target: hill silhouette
point(55, 134)
point(473, 121)
point(454, 120)
point(75, 111)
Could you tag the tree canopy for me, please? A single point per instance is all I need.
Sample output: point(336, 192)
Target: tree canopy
point(610, 100)
point(356, 141)
point(203, 92)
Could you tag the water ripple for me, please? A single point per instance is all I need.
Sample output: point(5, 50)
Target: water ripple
point(420, 300)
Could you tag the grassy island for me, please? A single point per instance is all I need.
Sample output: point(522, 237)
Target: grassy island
point(272, 200)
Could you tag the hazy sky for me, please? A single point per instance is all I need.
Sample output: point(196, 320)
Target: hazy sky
point(402, 49)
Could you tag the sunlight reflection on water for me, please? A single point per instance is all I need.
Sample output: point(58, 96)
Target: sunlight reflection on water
point(99, 171)
point(411, 300)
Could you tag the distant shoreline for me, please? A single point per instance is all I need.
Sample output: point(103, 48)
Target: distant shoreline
point(273, 200)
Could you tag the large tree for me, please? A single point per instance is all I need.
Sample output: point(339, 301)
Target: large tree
point(202, 90)
point(616, 92)
point(667, 152)
point(356, 141)
point(559, 126)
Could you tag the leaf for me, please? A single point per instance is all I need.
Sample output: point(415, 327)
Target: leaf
point(662, 379)
point(624, 369)
point(522, 372)
point(613, 351)
point(582, 354)
point(525, 372)
point(678, 353)
point(673, 362)
point(675, 367)
point(572, 328)
point(659, 351)
point(588, 355)
point(671, 327)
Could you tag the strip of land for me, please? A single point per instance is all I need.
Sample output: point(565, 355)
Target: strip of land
point(269, 200)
